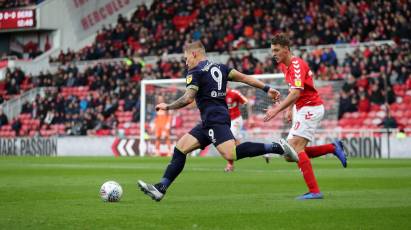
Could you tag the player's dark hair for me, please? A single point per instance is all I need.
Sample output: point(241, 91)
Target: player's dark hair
point(281, 39)
point(197, 45)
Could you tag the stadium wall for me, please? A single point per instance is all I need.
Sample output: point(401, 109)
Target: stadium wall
point(74, 24)
point(359, 146)
point(79, 20)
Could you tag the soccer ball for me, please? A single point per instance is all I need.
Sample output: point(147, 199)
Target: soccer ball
point(111, 191)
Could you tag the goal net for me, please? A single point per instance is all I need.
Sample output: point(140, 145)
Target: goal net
point(159, 131)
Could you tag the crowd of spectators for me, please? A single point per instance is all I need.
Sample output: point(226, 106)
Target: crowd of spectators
point(114, 85)
point(365, 73)
point(371, 75)
point(6, 4)
point(106, 85)
point(231, 25)
point(15, 82)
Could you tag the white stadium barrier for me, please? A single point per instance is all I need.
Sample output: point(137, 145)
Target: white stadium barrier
point(361, 144)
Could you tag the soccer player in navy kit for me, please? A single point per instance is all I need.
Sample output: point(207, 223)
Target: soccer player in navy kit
point(206, 84)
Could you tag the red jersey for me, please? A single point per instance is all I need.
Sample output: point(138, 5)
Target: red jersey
point(234, 98)
point(299, 76)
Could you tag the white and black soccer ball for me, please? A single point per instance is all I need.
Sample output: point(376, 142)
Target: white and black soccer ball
point(111, 191)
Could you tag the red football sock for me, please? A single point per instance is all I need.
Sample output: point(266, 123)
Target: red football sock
point(319, 150)
point(307, 170)
point(230, 162)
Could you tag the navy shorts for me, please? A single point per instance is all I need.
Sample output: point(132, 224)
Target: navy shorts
point(216, 134)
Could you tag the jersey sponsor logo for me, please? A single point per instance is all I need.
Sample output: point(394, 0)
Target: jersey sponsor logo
point(297, 82)
point(217, 94)
point(189, 79)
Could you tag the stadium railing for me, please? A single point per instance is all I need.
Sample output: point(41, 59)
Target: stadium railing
point(12, 107)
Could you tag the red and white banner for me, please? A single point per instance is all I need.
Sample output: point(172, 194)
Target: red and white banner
point(125, 147)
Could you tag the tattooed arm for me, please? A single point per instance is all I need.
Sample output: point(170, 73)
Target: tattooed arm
point(184, 100)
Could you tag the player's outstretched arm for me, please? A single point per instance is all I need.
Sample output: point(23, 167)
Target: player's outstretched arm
point(249, 80)
point(288, 101)
point(184, 100)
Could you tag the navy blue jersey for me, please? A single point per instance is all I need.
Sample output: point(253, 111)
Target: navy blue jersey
point(210, 81)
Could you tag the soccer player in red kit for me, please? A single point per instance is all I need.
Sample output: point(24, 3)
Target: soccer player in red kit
point(308, 108)
point(234, 99)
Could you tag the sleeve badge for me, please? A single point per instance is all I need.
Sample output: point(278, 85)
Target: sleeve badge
point(297, 83)
point(189, 79)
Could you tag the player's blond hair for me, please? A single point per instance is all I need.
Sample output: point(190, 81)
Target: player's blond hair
point(194, 46)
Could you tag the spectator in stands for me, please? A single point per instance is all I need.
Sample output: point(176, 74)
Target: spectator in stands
point(136, 111)
point(349, 85)
point(363, 103)
point(87, 124)
point(111, 122)
point(3, 118)
point(347, 104)
point(110, 107)
point(84, 103)
point(59, 118)
point(362, 82)
point(388, 122)
point(49, 119)
point(129, 103)
point(26, 107)
point(18, 75)
point(12, 87)
point(390, 95)
point(16, 126)
point(376, 95)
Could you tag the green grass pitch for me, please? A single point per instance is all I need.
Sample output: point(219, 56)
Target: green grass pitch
point(62, 193)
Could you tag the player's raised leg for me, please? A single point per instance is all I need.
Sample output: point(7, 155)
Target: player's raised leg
point(251, 149)
point(185, 145)
point(221, 136)
point(338, 148)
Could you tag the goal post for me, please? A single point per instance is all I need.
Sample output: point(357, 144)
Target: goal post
point(143, 107)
